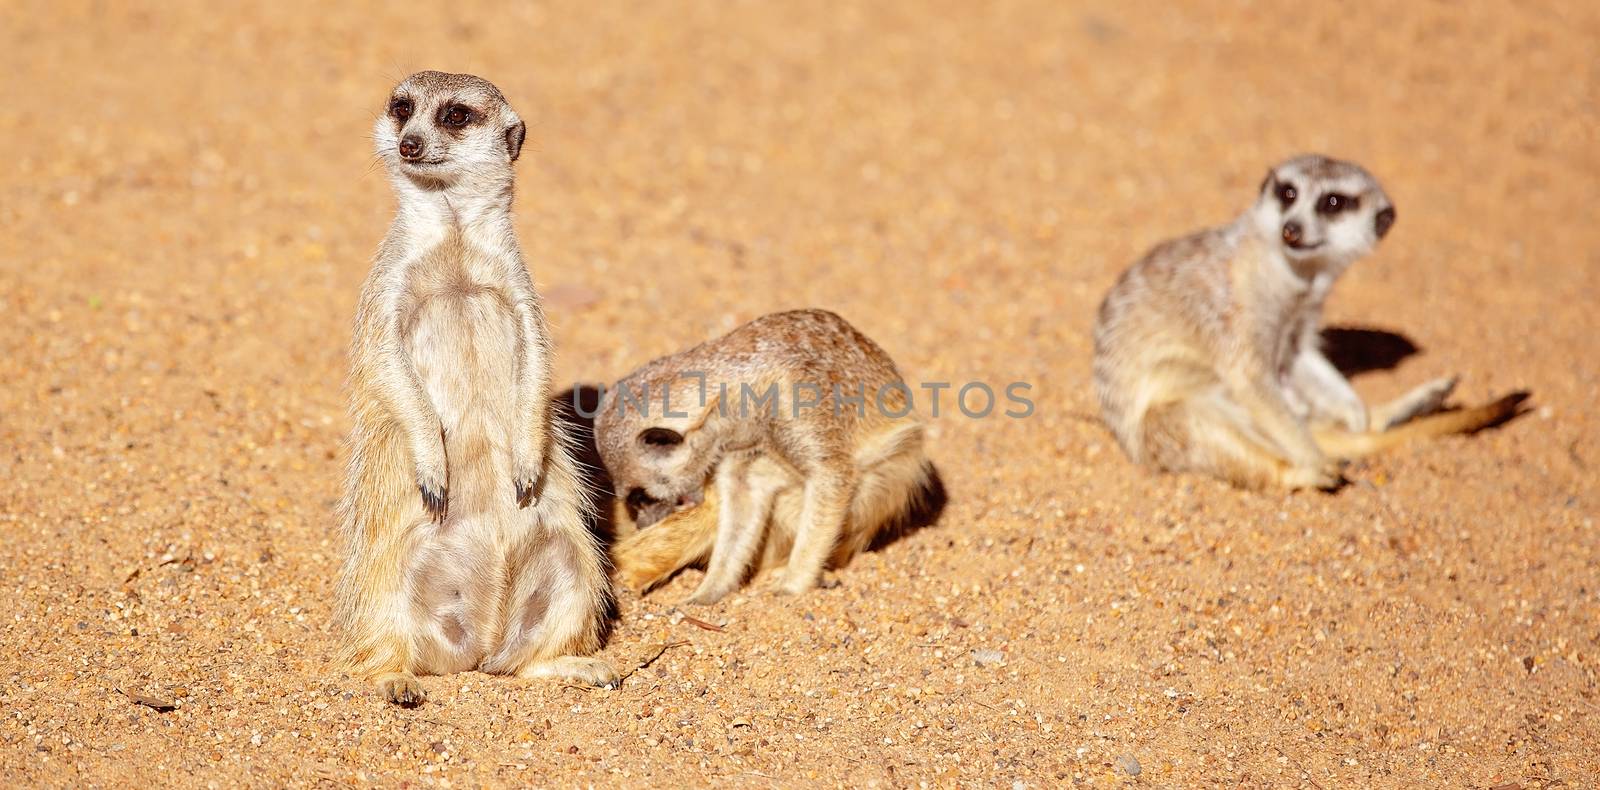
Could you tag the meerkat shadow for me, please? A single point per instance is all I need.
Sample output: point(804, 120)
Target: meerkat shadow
point(924, 512)
point(1357, 350)
point(570, 407)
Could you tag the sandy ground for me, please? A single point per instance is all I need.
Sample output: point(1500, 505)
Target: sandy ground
point(189, 204)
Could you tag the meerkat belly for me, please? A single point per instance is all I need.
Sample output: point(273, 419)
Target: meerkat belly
point(463, 347)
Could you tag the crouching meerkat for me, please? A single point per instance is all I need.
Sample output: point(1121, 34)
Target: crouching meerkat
point(1206, 351)
point(792, 441)
point(465, 524)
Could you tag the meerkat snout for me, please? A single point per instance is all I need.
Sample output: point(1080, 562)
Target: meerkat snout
point(411, 147)
point(1291, 234)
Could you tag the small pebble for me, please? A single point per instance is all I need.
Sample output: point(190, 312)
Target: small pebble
point(984, 658)
point(1129, 765)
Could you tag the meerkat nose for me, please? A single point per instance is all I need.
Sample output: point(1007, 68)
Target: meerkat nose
point(1291, 233)
point(411, 147)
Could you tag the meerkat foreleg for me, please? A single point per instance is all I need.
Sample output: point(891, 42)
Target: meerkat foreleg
point(746, 504)
point(1209, 432)
point(1326, 391)
point(531, 437)
point(401, 389)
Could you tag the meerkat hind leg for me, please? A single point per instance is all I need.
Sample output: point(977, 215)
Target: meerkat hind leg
point(887, 491)
point(1208, 433)
point(587, 670)
point(557, 594)
point(1421, 401)
point(824, 508)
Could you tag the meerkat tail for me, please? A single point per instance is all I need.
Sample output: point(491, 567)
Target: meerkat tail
point(647, 557)
point(1343, 444)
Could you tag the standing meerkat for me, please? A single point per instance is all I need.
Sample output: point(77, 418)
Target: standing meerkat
point(465, 523)
point(1206, 351)
point(792, 440)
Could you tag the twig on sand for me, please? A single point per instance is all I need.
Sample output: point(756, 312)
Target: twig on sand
point(158, 705)
point(649, 657)
point(698, 623)
point(1298, 767)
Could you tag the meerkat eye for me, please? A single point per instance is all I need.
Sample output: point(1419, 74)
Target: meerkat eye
point(660, 437)
point(400, 108)
point(1286, 194)
point(1333, 203)
point(457, 116)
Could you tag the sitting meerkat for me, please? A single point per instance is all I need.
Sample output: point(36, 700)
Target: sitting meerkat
point(465, 522)
point(1206, 351)
point(792, 439)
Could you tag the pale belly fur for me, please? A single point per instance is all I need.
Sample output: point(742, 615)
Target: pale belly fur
point(463, 347)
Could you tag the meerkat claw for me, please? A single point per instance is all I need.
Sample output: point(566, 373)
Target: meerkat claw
point(525, 492)
point(436, 501)
point(403, 691)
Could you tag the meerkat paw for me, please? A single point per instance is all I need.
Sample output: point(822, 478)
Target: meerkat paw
point(1426, 399)
point(1327, 475)
point(704, 598)
point(526, 490)
point(435, 489)
point(707, 593)
point(574, 669)
point(1353, 416)
point(526, 477)
point(790, 582)
point(634, 579)
point(401, 688)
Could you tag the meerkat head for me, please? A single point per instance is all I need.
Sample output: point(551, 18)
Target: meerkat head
point(1321, 209)
point(659, 456)
point(437, 128)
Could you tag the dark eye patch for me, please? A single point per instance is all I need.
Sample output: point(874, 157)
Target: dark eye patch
point(1334, 202)
point(456, 116)
point(1286, 194)
point(400, 108)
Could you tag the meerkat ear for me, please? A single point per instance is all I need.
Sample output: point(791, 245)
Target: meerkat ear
point(515, 134)
point(1383, 221)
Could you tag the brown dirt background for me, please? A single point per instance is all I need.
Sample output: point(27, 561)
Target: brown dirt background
point(189, 204)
